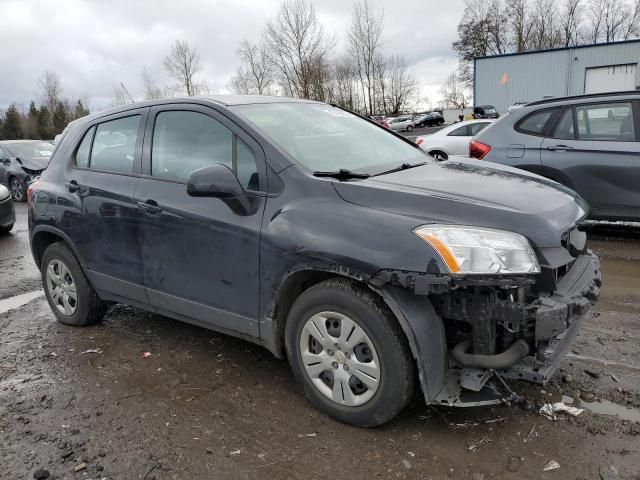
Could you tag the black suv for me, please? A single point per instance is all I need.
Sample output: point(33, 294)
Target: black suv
point(323, 237)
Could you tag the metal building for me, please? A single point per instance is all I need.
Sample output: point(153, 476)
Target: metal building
point(503, 80)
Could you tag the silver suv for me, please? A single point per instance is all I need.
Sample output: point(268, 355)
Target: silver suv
point(589, 143)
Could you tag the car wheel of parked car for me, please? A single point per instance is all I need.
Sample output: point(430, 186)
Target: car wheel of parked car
point(18, 190)
point(409, 128)
point(72, 299)
point(349, 354)
point(439, 156)
point(6, 229)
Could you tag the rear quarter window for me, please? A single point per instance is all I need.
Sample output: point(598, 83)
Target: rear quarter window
point(536, 123)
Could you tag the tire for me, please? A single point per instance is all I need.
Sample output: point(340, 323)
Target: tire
point(59, 266)
point(371, 324)
point(6, 229)
point(439, 156)
point(409, 128)
point(18, 190)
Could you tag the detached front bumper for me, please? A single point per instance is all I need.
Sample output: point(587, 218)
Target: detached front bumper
point(557, 320)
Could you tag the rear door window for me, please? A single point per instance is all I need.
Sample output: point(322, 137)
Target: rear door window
point(565, 129)
point(476, 128)
point(460, 132)
point(114, 145)
point(606, 122)
point(84, 150)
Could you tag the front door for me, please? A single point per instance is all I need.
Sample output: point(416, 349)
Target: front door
point(595, 146)
point(100, 216)
point(200, 255)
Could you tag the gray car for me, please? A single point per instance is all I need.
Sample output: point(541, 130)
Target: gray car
point(7, 213)
point(589, 143)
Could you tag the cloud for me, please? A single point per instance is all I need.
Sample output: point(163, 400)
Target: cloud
point(94, 45)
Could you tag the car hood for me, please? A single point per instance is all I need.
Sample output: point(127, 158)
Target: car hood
point(37, 163)
point(474, 193)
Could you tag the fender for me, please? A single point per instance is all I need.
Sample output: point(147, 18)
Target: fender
point(425, 331)
point(56, 231)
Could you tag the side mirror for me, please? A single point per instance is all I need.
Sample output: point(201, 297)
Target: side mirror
point(216, 180)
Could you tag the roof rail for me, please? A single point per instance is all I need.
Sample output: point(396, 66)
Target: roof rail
point(589, 95)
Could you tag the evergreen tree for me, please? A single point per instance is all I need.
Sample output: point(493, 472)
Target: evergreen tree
point(60, 119)
point(44, 120)
point(11, 126)
point(80, 110)
point(30, 123)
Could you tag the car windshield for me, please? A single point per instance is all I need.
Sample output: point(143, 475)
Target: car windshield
point(325, 138)
point(29, 150)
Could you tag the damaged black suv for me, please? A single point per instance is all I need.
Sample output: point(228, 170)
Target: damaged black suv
point(322, 236)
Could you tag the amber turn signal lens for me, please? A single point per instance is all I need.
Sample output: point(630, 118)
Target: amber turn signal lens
point(441, 248)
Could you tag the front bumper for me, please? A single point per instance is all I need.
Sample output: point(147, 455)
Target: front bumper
point(7, 213)
point(558, 319)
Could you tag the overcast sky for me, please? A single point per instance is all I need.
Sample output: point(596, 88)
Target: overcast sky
point(95, 44)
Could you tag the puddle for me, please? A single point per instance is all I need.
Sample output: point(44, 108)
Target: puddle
point(605, 407)
point(19, 300)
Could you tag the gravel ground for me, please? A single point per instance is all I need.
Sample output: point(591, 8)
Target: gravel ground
point(85, 403)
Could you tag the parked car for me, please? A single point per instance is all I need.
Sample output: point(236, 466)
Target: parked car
point(21, 161)
point(485, 111)
point(428, 120)
point(589, 143)
point(381, 120)
point(7, 213)
point(401, 124)
point(321, 236)
point(451, 140)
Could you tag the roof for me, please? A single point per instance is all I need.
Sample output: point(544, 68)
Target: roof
point(577, 98)
point(26, 140)
point(576, 47)
point(224, 100)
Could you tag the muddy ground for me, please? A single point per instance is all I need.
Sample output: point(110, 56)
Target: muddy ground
point(204, 405)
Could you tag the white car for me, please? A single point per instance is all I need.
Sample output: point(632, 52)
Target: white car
point(400, 124)
point(452, 140)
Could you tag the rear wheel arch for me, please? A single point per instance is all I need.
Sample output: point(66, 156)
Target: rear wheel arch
point(43, 236)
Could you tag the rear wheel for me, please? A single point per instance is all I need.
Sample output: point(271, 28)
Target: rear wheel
point(71, 298)
point(439, 156)
point(349, 354)
point(18, 190)
point(409, 128)
point(6, 229)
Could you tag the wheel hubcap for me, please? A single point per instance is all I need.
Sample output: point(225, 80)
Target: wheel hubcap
point(16, 189)
point(62, 288)
point(340, 359)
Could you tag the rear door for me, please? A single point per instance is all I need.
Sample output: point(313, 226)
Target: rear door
point(200, 255)
point(594, 149)
point(99, 214)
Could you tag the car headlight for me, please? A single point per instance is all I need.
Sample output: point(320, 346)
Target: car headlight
point(475, 250)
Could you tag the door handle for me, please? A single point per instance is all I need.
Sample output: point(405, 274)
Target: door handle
point(559, 148)
point(150, 207)
point(72, 186)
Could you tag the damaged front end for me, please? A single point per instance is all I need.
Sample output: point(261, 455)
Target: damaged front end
point(504, 327)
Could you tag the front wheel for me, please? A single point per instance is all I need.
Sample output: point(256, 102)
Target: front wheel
point(349, 354)
point(439, 156)
point(6, 229)
point(71, 297)
point(409, 128)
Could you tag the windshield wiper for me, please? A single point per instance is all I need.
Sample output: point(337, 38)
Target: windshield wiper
point(342, 174)
point(404, 166)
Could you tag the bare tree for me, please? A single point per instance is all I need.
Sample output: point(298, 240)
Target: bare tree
point(607, 20)
point(297, 47)
point(632, 22)
point(119, 96)
point(151, 90)
point(365, 38)
point(182, 64)
point(520, 24)
point(571, 19)
point(345, 84)
point(49, 83)
point(454, 94)
point(257, 71)
point(546, 28)
point(401, 84)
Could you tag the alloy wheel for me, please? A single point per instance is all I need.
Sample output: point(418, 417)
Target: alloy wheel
point(17, 190)
point(340, 359)
point(61, 288)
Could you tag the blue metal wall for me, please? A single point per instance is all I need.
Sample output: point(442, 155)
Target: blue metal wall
point(532, 76)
